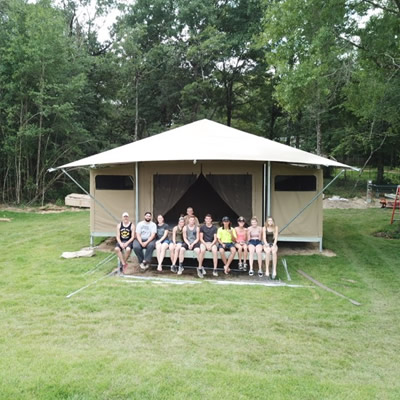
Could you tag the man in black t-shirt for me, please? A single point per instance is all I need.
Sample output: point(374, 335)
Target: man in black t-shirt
point(208, 242)
point(125, 235)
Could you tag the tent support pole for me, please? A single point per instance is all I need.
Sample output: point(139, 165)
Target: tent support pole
point(92, 197)
point(137, 192)
point(264, 191)
point(269, 191)
point(312, 200)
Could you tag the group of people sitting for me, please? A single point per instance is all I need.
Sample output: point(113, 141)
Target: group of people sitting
point(248, 242)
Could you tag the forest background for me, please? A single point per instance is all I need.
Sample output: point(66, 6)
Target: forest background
point(323, 76)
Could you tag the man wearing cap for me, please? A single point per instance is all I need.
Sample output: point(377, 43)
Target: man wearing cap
point(125, 236)
point(145, 240)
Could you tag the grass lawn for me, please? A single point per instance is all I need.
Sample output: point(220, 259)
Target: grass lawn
point(119, 340)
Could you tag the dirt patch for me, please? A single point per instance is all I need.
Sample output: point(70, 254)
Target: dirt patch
point(387, 235)
point(343, 203)
point(46, 209)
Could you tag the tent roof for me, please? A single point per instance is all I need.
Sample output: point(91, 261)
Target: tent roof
point(204, 140)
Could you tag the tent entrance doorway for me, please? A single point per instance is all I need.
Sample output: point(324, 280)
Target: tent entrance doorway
point(218, 195)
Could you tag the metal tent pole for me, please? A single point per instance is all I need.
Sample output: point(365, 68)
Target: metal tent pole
point(137, 192)
point(264, 191)
point(269, 191)
point(312, 201)
point(97, 201)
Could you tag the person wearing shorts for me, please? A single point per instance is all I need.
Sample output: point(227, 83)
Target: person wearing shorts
point(208, 242)
point(241, 243)
point(226, 237)
point(125, 236)
point(162, 241)
point(254, 235)
point(176, 244)
point(191, 237)
point(270, 237)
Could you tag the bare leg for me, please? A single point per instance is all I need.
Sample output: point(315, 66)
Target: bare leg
point(181, 255)
point(251, 256)
point(120, 256)
point(215, 256)
point(201, 254)
point(240, 252)
point(274, 260)
point(197, 251)
point(176, 253)
point(158, 250)
point(267, 250)
point(231, 257)
point(259, 258)
point(223, 256)
point(127, 255)
point(172, 253)
point(245, 251)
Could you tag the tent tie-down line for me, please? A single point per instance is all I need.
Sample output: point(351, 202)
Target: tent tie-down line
point(268, 203)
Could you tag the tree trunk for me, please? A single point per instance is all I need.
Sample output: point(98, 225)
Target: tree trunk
point(5, 182)
point(273, 116)
point(319, 134)
point(40, 132)
point(229, 102)
point(136, 136)
point(380, 169)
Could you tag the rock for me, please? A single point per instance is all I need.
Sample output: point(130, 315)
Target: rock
point(85, 252)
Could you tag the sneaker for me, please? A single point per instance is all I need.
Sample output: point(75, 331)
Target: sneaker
point(251, 272)
point(142, 267)
point(244, 267)
point(180, 270)
point(203, 270)
point(273, 277)
point(215, 272)
point(199, 273)
point(145, 266)
point(173, 268)
point(240, 266)
point(260, 274)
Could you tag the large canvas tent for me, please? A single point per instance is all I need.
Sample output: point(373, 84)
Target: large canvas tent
point(215, 169)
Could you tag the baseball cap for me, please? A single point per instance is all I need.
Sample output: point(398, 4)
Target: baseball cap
point(225, 219)
point(125, 214)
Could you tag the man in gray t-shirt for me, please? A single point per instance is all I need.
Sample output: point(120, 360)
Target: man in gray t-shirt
point(145, 239)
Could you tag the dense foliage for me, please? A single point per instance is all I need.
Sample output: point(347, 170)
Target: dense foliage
point(322, 76)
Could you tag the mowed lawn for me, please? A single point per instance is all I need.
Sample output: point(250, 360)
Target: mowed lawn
point(144, 340)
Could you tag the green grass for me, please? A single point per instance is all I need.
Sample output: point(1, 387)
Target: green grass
point(119, 340)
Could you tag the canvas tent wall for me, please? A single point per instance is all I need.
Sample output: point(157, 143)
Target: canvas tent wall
point(286, 200)
point(214, 151)
point(153, 196)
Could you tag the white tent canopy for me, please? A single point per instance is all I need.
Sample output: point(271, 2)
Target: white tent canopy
point(205, 140)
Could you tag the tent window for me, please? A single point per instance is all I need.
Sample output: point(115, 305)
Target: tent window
point(295, 183)
point(114, 182)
